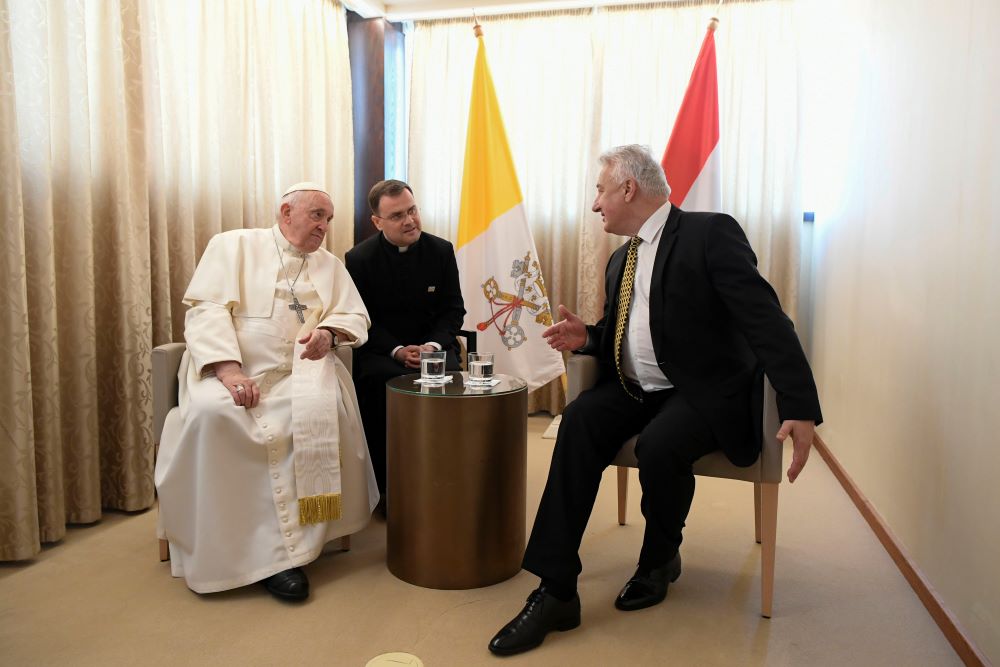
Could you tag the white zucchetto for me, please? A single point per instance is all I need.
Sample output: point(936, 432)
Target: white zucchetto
point(306, 185)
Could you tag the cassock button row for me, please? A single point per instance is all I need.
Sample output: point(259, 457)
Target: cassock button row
point(277, 491)
point(270, 438)
point(281, 505)
point(274, 463)
point(257, 414)
point(263, 425)
point(274, 451)
point(288, 533)
point(275, 475)
point(291, 548)
point(284, 519)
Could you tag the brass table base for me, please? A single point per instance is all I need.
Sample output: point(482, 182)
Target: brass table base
point(456, 480)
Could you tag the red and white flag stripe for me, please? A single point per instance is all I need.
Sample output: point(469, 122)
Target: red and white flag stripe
point(691, 161)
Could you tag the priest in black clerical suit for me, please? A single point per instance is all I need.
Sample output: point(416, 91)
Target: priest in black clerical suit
point(689, 327)
point(408, 280)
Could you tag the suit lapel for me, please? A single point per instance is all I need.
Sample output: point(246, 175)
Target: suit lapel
point(668, 239)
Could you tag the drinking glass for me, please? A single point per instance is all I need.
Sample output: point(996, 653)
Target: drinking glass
point(480, 367)
point(432, 366)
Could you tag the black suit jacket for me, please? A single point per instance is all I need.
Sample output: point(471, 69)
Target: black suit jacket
point(716, 326)
point(413, 298)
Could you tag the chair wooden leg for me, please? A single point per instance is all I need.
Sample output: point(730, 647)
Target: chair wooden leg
point(756, 511)
point(769, 535)
point(345, 543)
point(164, 551)
point(622, 494)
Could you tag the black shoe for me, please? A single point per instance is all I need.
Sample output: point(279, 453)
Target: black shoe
point(543, 613)
point(289, 585)
point(645, 589)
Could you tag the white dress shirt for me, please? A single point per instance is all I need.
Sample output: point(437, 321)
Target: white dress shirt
point(638, 358)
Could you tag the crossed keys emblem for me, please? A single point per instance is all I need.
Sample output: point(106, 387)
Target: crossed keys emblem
point(506, 307)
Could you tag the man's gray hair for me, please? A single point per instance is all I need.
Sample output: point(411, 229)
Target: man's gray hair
point(292, 199)
point(636, 162)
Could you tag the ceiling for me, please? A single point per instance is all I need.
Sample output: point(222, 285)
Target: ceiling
point(406, 10)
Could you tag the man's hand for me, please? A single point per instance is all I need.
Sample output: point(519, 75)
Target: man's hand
point(244, 391)
point(318, 342)
point(802, 433)
point(569, 334)
point(409, 355)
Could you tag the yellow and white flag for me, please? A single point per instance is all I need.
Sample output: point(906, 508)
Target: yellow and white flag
point(505, 296)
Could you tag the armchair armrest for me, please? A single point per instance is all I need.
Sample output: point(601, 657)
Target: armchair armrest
point(346, 356)
point(166, 361)
point(582, 371)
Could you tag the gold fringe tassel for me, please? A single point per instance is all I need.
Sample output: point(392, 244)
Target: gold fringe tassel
point(316, 509)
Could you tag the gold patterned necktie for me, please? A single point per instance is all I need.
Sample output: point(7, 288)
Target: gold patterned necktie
point(624, 301)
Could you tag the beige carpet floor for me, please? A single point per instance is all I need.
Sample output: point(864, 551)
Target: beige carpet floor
point(101, 597)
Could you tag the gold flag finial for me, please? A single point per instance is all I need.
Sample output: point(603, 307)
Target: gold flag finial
point(713, 22)
point(476, 29)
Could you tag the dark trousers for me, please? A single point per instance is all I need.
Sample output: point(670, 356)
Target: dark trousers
point(371, 372)
point(672, 436)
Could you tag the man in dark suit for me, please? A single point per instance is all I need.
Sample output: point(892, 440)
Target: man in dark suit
point(408, 280)
point(681, 367)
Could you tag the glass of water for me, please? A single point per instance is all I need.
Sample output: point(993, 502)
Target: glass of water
point(432, 366)
point(480, 367)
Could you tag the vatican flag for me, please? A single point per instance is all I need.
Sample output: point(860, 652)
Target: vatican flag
point(505, 296)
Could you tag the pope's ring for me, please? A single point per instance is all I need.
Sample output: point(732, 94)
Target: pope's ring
point(239, 387)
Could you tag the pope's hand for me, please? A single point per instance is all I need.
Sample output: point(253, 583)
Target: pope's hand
point(244, 391)
point(569, 334)
point(318, 342)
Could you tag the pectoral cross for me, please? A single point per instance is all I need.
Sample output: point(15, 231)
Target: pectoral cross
point(298, 308)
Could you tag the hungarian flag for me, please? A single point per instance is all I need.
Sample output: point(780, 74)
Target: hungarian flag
point(691, 161)
point(505, 296)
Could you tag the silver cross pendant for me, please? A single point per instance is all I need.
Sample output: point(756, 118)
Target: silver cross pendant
point(298, 308)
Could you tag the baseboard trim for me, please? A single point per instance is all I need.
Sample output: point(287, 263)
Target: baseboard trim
point(953, 632)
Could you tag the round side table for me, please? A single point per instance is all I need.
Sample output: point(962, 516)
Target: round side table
point(456, 480)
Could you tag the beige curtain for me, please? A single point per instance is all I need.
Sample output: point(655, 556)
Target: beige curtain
point(131, 131)
point(572, 84)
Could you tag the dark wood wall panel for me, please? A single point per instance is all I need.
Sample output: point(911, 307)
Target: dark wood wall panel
point(366, 43)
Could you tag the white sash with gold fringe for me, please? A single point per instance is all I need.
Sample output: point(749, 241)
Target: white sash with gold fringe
point(316, 433)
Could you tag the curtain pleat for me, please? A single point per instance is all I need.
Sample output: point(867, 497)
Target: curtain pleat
point(131, 132)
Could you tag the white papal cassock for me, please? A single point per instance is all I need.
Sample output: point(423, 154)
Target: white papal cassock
point(226, 475)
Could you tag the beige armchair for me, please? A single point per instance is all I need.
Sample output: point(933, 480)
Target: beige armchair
point(765, 474)
point(166, 362)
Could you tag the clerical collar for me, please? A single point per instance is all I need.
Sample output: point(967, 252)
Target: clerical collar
point(286, 245)
point(397, 249)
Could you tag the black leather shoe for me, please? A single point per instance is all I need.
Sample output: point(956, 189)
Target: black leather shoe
point(543, 613)
point(289, 585)
point(645, 589)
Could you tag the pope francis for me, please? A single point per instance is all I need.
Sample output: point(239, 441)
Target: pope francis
point(264, 459)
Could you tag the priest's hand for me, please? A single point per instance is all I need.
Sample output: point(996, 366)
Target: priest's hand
point(318, 342)
point(802, 433)
point(244, 391)
point(409, 356)
point(569, 334)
